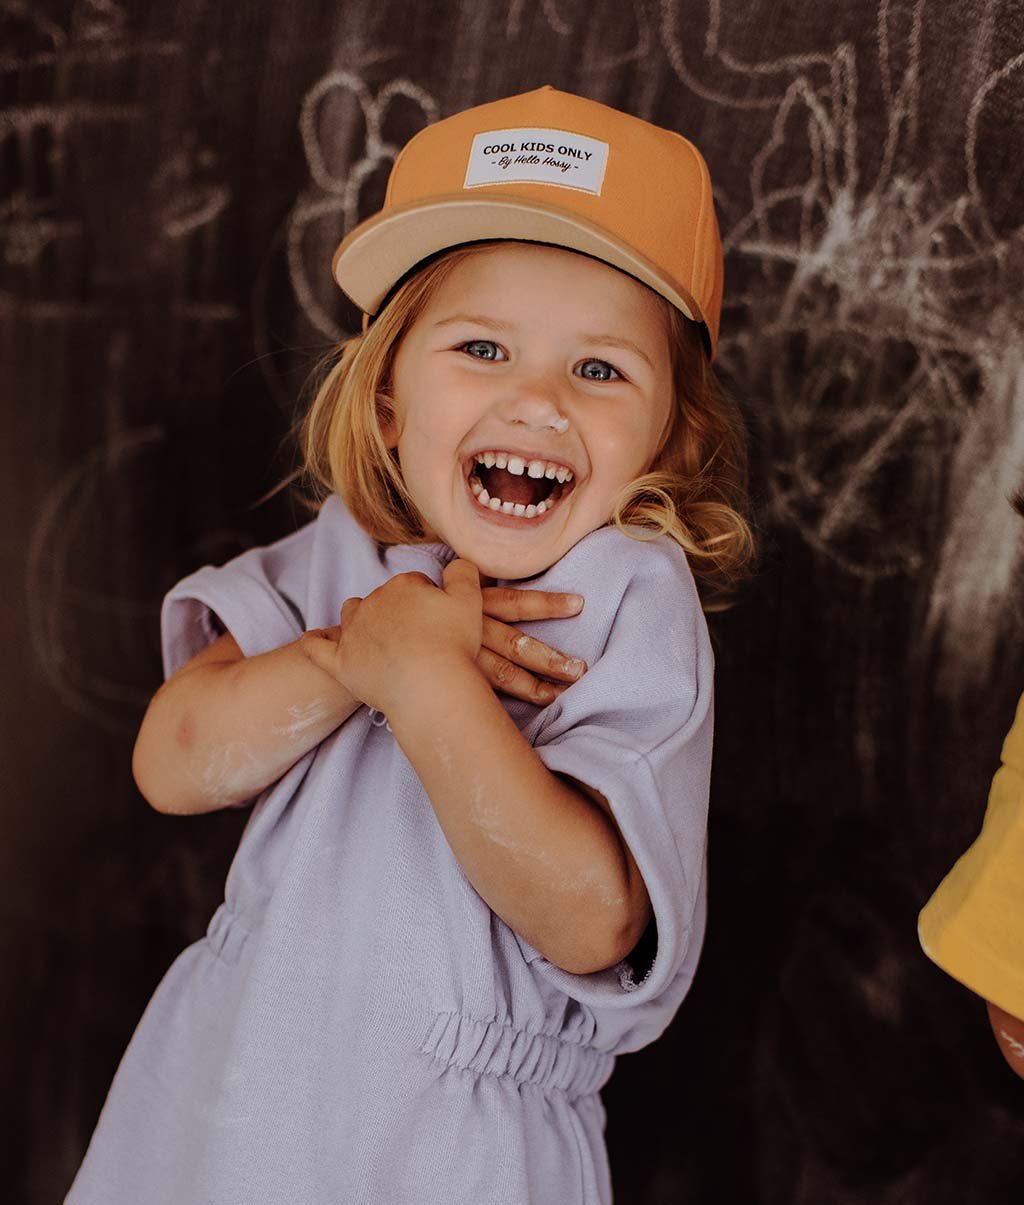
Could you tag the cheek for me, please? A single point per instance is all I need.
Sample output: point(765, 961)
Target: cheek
point(431, 441)
point(653, 434)
point(451, 409)
point(619, 450)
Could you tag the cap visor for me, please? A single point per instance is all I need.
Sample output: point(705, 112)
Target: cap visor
point(380, 251)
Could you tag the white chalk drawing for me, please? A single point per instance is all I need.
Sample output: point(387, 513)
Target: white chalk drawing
point(548, 10)
point(30, 202)
point(187, 196)
point(59, 604)
point(333, 196)
point(28, 221)
point(576, 20)
point(183, 201)
point(326, 208)
point(98, 20)
point(25, 230)
point(908, 336)
point(51, 593)
point(35, 33)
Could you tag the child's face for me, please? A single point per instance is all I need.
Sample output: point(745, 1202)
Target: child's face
point(517, 350)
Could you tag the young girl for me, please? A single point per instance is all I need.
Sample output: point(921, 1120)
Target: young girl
point(451, 910)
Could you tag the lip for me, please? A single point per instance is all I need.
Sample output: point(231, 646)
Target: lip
point(500, 519)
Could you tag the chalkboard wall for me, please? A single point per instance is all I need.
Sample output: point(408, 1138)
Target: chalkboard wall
point(173, 178)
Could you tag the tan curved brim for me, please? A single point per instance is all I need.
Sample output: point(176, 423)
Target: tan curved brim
point(379, 251)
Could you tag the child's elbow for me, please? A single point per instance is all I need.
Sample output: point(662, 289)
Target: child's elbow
point(148, 756)
point(144, 780)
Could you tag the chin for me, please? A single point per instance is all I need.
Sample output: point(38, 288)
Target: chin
point(518, 574)
point(512, 569)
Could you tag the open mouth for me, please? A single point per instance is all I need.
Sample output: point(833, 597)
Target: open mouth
point(515, 496)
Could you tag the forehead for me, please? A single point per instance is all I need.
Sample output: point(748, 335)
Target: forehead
point(539, 279)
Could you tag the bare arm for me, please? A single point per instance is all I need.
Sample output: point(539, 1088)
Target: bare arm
point(234, 725)
point(542, 850)
point(226, 726)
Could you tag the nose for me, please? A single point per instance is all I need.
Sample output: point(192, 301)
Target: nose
point(536, 403)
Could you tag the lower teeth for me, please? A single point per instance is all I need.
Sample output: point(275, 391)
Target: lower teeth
point(513, 508)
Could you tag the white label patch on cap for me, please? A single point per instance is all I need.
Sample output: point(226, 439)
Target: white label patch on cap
point(537, 157)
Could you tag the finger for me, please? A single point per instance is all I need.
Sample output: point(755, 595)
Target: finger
point(348, 609)
point(511, 680)
point(320, 649)
point(529, 652)
point(460, 576)
point(512, 604)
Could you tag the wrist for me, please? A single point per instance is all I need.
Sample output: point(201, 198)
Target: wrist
point(429, 681)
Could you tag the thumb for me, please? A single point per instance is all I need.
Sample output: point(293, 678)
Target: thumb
point(462, 579)
point(320, 649)
point(461, 576)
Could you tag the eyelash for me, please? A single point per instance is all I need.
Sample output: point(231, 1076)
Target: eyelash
point(591, 360)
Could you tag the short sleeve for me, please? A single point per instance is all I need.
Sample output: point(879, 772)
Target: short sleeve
point(251, 596)
point(637, 727)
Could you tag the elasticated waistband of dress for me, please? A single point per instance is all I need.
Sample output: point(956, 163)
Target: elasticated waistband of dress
point(492, 1048)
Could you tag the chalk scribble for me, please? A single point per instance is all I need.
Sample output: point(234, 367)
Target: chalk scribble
point(881, 356)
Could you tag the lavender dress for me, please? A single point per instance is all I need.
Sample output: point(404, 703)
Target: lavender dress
point(357, 1027)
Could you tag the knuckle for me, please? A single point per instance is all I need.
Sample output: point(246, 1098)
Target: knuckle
point(521, 644)
point(492, 634)
point(504, 672)
point(556, 660)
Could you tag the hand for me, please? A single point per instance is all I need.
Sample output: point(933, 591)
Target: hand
point(504, 649)
point(506, 655)
point(400, 632)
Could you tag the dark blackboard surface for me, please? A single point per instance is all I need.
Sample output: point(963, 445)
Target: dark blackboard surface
point(173, 178)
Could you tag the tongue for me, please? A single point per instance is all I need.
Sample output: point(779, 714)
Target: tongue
point(508, 487)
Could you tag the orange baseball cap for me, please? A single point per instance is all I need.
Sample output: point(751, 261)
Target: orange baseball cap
point(547, 167)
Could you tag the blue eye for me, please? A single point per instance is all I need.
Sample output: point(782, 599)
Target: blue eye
point(601, 365)
point(471, 348)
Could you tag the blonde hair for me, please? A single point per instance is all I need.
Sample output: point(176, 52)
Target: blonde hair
point(695, 491)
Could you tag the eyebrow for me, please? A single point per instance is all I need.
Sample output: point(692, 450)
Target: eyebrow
point(588, 340)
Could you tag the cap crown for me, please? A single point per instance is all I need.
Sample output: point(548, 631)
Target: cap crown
point(645, 187)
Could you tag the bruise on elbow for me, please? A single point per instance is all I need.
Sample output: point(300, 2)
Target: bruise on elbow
point(185, 731)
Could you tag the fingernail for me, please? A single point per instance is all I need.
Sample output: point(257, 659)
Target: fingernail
point(575, 601)
point(546, 694)
point(573, 665)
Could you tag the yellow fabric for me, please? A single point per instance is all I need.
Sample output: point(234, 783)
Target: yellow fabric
point(973, 926)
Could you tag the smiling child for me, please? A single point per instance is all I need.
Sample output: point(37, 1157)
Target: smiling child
point(457, 899)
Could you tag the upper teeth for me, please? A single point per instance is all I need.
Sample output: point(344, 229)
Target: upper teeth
point(516, 464)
